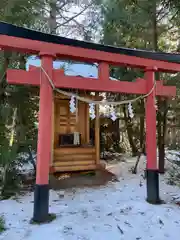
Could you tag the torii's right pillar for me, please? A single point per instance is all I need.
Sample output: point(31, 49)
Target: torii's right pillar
point(151, 145)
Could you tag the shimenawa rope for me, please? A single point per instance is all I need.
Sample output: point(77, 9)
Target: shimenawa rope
point(86, 100)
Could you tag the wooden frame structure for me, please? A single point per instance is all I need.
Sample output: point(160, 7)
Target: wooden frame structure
point(49, 47)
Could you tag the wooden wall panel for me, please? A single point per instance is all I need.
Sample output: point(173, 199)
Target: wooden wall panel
point(65, 121)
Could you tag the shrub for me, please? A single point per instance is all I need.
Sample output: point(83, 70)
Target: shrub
point(9, 169)
point(2, 225)
point(173, 175)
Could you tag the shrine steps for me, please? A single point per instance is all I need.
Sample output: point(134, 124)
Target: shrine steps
point(74, 159)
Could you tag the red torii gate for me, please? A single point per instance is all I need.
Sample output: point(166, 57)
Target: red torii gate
point(48, 51)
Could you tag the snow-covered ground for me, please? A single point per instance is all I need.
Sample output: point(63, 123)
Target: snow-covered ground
point(173, 155)
point(116, 211)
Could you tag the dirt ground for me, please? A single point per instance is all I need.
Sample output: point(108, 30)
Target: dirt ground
point(112, 172)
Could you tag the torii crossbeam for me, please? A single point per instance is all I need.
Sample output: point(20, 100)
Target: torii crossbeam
point(50, 47)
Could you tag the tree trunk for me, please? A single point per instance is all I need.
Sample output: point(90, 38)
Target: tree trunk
point(3, 83)
point(116, 136)
point(159, 136)
point(173, 139)
point(163, 126)
point(53, 16)
point(142, 130)
point(130, 133)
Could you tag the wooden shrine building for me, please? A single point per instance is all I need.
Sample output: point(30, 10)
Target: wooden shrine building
point(69, 155)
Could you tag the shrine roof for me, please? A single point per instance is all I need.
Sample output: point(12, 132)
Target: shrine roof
point(20, 32)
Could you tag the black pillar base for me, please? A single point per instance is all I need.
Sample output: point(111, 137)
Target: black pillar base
point(161, 171)
point(41, 204)
point(153, 186)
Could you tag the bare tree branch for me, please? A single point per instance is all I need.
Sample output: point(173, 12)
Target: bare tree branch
point(165, 5)
point(73, 17)
point(163, 16)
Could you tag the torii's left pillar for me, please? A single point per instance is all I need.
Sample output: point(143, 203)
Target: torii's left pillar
point(44, 148)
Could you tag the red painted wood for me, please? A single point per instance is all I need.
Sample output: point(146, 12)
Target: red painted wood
point(103, 85)
point(103, 71)
point(45, 123)
point(150, 122)
point(81, 54)
point(91, 84)
point(33, 68)
point(168, 91)
point(23, 77)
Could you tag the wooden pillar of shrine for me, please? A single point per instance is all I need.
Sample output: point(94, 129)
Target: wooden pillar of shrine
point(44, 148)
point(97, 133)
point(152, 166)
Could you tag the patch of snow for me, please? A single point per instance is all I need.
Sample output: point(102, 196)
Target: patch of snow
point(27, 167)
point(115, 211)
point(173, 155)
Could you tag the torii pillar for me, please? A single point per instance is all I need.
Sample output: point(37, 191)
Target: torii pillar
point(41, 192)
point(152, 172)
